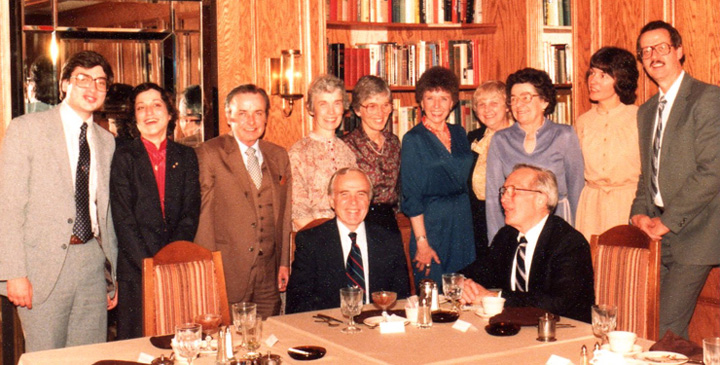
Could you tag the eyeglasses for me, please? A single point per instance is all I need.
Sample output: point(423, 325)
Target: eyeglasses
point(511, 190)
point(661, 49)
point(524, 97)
point(374, 108)
point(84, 81)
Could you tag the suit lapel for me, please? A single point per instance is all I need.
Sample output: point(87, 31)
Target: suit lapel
point(54, 136)
point(335, 259)
point(234, 160)
point(675, 118)
point(539, 260)
point(173, 179)
point(272, 172)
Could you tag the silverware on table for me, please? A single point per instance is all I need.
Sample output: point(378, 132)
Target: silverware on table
point(325, 316)
point(330, 321)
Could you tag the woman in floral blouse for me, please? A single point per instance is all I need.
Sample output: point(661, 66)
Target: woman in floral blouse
point(316, 157)
point(377, 149)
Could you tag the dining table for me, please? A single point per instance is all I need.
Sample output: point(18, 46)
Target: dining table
point(439, 344)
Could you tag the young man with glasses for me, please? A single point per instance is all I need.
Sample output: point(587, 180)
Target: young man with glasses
point(537, 259)
point(57, 238)
point(677, 197)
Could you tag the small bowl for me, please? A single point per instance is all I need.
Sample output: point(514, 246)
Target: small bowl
point(306, 352)
point(502, 329)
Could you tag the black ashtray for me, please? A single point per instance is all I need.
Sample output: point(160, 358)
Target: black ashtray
point(306, 352)
point(162, 342)
point(445, 316)
point(502, 329)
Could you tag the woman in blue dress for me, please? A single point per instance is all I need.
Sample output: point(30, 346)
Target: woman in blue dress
point(435, 166)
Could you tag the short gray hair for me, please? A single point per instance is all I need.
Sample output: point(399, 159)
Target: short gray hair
point(367, 87)
point(345, 171)
point(326, 83)
point(545, 182)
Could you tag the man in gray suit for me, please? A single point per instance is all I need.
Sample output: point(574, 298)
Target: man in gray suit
point(677, 197)
point(57, 239)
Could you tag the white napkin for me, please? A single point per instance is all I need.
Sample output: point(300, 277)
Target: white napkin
point(607, 357)
point(558, 360)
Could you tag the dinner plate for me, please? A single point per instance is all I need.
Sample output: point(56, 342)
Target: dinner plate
point(373, 322)
point(662, 357)
point(502, 329)
point(444, 316)
point(306, 352)
point(636, 349)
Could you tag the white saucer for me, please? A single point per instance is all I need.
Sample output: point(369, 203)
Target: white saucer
point(636, 349)
point(375, 321)
point(480, 312)
point(662, 357)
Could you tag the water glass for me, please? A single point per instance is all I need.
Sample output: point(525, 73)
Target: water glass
point(188, 338)
point(351, 305)
point(453, 288)
point(252, 335)
point(711, 351)
point(604, 320)
point(243, 312)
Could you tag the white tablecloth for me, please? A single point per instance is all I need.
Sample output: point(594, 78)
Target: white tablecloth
point(438, 345)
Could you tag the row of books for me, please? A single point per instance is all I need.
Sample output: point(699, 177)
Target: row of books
point(563, 110)
point(402, 64)
point(557, 61)
point(405, 11)
point(556, 12)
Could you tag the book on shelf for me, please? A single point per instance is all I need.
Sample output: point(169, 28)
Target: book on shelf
point(405, 11)
point(557, 12)
point(557, 62)
point(563, 110)
point(402, 64)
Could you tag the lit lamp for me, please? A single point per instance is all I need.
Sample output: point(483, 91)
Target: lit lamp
point(286, 78)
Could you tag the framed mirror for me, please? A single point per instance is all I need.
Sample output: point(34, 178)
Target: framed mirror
point(143, 40)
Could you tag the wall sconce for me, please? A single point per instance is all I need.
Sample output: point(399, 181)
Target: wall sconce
point(286, 78)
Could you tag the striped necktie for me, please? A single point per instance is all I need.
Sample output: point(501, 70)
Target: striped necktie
point(520, 272)
point(354, 266)
point(656, 148)
point(253, 167)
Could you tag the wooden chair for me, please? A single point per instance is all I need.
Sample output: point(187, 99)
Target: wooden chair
point(626, 263)
point(181, 281)
point(405, 232)
point(312, 224)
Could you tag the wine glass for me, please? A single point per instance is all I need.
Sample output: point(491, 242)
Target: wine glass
point(604, 320)
point(453, 288)
point(384, 300)
point(210, 323)
point(350, 306)
point(252, 335)
point(187, 340)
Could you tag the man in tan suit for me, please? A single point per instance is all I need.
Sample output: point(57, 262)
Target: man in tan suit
point(245, 211)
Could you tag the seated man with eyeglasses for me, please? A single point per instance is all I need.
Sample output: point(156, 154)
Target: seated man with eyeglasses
point(537, 259)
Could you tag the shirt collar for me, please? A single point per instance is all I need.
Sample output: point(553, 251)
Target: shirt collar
point(673, 90)
point(533, 234)
point(70, 116)
point(244, 147)
point(151, 146)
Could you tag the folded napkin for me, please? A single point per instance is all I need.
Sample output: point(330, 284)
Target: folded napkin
point(674, 343)
point(523, 316)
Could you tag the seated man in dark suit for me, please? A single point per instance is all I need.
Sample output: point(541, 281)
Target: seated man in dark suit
point(537, 259)
point(333, 255)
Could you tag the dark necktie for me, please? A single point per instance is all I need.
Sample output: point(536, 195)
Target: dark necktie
point(656, 148)
point(83, 227)
point(520, 272)
point(354, 266)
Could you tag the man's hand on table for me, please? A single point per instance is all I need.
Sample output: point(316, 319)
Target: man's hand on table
point(474, 292)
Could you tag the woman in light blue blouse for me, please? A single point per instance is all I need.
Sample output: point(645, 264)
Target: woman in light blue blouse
point(534, 140)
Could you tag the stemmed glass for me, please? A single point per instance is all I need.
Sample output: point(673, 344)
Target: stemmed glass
point(187, 340)
point(350, 306)
point(384, 300)
point(210, 323)
point(252, 335)
point(604, 320)
point(453, 288)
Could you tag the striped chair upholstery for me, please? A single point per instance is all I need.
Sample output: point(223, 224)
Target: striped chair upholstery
point(181, 281)
point(626, 264)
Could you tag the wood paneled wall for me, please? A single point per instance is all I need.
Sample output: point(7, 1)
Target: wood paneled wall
point(249, 32)
point(5, 92)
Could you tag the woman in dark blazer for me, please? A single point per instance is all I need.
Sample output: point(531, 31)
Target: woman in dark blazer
point(155, 197)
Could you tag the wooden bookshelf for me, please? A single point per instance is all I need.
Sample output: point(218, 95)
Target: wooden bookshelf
point(468, 28)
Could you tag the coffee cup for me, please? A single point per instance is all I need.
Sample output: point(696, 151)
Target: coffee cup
point(493, 305)
point(621, 342)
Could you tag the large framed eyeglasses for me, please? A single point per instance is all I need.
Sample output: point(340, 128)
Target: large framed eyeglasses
point(373, 108)
point(661, 49)
point(511, 190)
point(84, 81)
point(524, 98)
